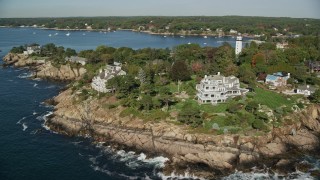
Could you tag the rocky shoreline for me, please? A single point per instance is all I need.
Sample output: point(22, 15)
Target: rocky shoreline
point(209, 155)
point(44, 69)
point(205, 155)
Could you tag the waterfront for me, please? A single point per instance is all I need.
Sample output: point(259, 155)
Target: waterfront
point(28, 150)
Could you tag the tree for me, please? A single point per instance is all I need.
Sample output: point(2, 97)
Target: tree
point(252, 106)
point(315, 97)
point(197, 67)
point(165, 95)
point(190, 115)
point(17, 50)
point(70, 52)
point(146, 102)
point(107, 58)
point(246, 74)
point(179, 71)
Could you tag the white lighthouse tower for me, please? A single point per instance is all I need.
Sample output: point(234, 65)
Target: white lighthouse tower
point(238, 45)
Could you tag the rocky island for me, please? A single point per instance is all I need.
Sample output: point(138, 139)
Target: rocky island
point(157, 125)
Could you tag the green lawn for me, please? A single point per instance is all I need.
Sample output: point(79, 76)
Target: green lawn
point(271, 99)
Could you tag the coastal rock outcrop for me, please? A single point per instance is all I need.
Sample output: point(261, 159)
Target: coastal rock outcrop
point(222, 153)
point(44, 69)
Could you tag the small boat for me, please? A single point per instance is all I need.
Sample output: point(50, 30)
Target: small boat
point(182, 36)
point(50, 35)
point(68, 34)
point(165, 36)
point(205, 37)
point(204, 43)
point(84, 34)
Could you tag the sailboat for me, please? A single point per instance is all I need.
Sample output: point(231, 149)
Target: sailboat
point(205, 37)
point(68, 34)
point(50, 35)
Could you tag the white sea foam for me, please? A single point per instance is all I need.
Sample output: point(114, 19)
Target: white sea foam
point(45, 118)
point(34, 113)
point(266, 175)
point(114, 174)
point(173, 175)
point(133, 161)
point(24, 126)
point(157, 161)
point(25, 75)
point(37, 79)
point(20, 120)
point(50, 87)
point(77, 142)
point(35, 85)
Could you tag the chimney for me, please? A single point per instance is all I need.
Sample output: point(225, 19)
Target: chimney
point(308, 86)
point(218, 73)
point(288, 75)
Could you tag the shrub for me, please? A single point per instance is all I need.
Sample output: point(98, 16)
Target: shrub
point(300, 105)
point(234, 107)
point(258, 124)
point(190, 114)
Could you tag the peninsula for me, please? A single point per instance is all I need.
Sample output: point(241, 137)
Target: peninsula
point(206, 108)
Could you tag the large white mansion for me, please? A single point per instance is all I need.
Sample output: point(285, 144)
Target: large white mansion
point(217, 88)
point(99, 81)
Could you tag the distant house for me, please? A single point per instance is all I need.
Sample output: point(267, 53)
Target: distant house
point(282, 46)
point(314, 66)
point(278, 79)
point(32, 49)
point(111, 70)
point(233, 31)
point(76, 59)
point(305, 90)
point(217, 88)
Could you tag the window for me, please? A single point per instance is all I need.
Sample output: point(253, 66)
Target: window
point(212, 95)
point(207, 87)
point(208, 101)
point(206, 95)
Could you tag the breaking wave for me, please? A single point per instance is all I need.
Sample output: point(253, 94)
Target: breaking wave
point(19, 122)
point(24, 126)
point(134, 160)
point(45, 118)
point(25, 75)
point(267, 175)
point(173, 175)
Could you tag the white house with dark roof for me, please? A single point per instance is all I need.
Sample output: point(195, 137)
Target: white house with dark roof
point(99, 82)
point(217, 88)
point(76, 59)
point(32, 49)
point(305, 90)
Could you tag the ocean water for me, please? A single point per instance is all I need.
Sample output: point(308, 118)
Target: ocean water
point(28, 150)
